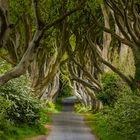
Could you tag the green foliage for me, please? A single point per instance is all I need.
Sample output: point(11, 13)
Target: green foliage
point(54, 107)
point(124, 118)
point(79, 108)
point(24, 108)
point(72, 41)
point(98, 124)
point(119, 123)
point(51, 106)
point(113, 88)
point(21, 115)
point(120, 118)
point(49, 9)
point(4, 105)
point(4, 123)
point(4, 66)
point(19, 8)
point(20, 132)
point(44, 117)
point(66, 91)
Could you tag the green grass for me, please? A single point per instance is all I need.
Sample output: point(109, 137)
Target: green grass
point(99, 127)
point(58, 104)
point(59, 107)
point(79, 108)
point(54, 107)
point(23, 131)
point(27, 131)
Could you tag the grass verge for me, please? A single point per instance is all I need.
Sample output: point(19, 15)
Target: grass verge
point(23, 131)
point(99, 127)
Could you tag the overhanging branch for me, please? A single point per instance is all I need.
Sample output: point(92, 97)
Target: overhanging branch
point(114, 69)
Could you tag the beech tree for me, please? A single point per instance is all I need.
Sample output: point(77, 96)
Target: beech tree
point(76, 40)
point(33, 44)
point(126, 16)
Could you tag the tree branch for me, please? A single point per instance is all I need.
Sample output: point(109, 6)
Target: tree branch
point(122, 29)
point(114, 69)
point(53, 23)
point(83, 82)
point(87, 73)
point(36, 13)
point(124, 78)
point(122, 40)
point(31, 51)
point(129, 28)
point(3, 27)
point(136, 25)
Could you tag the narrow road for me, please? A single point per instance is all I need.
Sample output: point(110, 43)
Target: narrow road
point(69, 126)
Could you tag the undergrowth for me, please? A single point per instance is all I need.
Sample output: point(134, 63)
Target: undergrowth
point(120, 118)
point(21, 114)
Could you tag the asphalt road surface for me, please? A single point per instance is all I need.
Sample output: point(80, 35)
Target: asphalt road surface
point(69, 126)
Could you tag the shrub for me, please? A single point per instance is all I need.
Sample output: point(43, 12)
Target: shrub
point(120, 118)
point(53, 107)
point(80, 108)
point(124, 118)
point(66, 91)
point(24, 108)
point(113, 89)
point(21, 115)
point(121, 122)
point(4, 124)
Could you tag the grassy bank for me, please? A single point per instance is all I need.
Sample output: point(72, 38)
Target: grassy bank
point(120, 117)
point(22, 131)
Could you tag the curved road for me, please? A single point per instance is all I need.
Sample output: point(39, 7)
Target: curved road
point(69, 126)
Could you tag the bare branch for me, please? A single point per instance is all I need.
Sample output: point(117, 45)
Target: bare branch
point(31, 51)
point(27, 58)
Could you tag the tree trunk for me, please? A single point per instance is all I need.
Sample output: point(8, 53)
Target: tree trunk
point(4, 23)
point(27, 58)
point(136, 82)
point(106, 36)
point(54, 88)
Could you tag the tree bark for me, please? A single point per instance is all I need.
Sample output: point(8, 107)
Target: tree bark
point(4, 23)
point(27, 58)
point(106, 36)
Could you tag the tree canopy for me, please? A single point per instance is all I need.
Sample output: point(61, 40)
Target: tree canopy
point(75, 41)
